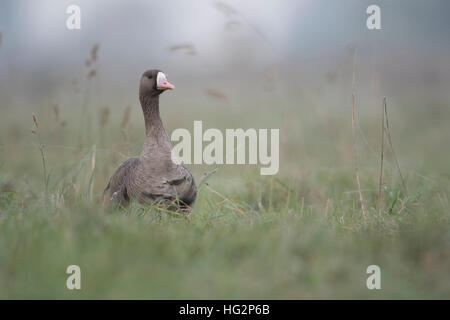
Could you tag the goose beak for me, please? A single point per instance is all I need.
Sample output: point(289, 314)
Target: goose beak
point(165, 85)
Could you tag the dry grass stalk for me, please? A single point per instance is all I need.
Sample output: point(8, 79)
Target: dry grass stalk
point(355, 141)
point(234, 207)
point(231, 12)
point(104, 116)
point(380, 181)
point(91, 74)
point(355, 151)
point(124, 126)
point(388, 134)
point(56, 112)
point(206, 176)
point(187, 48)
point(91, 179)
point(216, 94)
point(41, 150)
point(94, 52)
point(125, 117)
point(103, 121)
point(225, 8)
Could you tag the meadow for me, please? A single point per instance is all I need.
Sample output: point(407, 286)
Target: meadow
point(348, 195)
point(299, 234)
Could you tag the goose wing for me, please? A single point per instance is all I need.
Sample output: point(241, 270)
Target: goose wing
point(116, 189)
point(178, 185)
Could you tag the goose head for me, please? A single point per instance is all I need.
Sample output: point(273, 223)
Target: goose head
point(153, 83)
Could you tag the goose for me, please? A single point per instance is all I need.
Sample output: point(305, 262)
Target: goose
point(153, 177)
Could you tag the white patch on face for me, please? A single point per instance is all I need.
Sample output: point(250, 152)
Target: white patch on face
point(160, 78)
point(162, 83)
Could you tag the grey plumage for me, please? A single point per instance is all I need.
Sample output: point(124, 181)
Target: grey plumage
point(152, 177)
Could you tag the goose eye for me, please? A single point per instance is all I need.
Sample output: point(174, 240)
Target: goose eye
point(149, 76)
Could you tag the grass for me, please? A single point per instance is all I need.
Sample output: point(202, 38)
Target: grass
point(300, 234)
point(268, 242)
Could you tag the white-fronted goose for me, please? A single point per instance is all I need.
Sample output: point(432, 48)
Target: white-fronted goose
point(153, 176)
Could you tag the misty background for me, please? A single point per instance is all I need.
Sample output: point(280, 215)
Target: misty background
point(288, 64)
point(229, 49)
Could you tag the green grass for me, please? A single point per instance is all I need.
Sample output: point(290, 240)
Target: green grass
point(300, 234)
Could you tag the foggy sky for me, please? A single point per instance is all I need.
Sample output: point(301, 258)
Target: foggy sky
point(38, 52)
